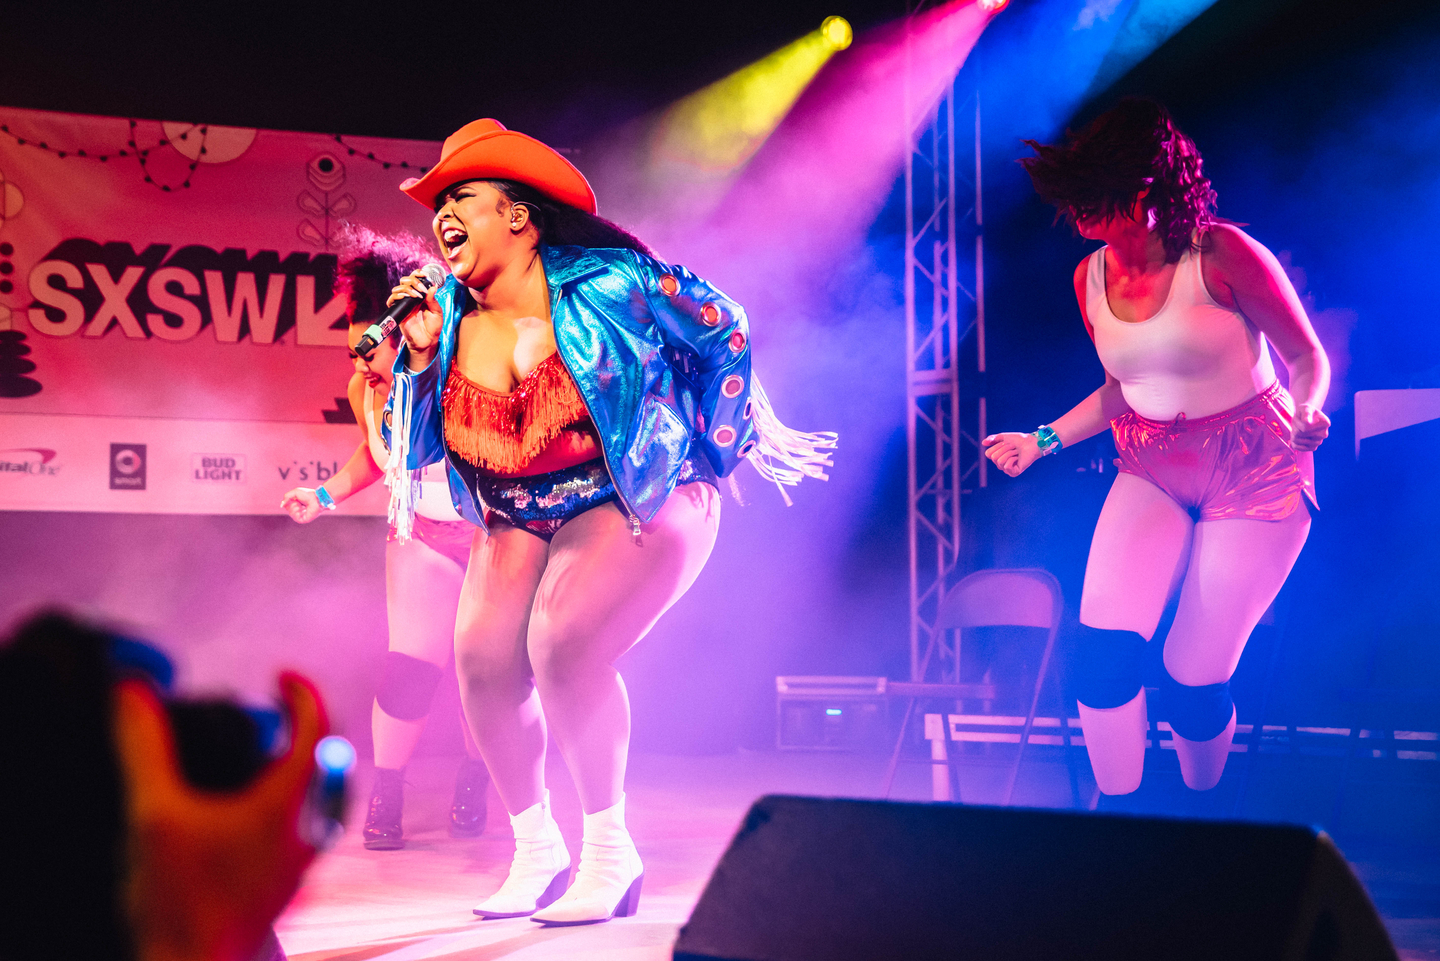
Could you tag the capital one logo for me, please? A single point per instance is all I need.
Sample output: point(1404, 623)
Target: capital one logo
point(127, 467)
point(32, 461)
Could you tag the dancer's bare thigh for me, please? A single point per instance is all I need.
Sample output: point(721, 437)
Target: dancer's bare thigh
point(1236, 569)
point(601, 591)
point(1137, 558)
point(422, 588)
point(495, 601)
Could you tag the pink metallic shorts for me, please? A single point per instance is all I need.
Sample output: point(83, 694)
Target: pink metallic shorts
point(1234, 464)
point(447, 538)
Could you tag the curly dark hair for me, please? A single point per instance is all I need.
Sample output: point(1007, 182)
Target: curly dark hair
point(371, 265)
point(1104, 168)
point(562, 225)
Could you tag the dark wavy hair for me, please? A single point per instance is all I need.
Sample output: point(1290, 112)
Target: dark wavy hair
point(564, 226)
point(1129, 148)
point(371, 264)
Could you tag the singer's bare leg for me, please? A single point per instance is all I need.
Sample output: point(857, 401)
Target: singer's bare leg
point(600, 594)
point(497, 686)
point(550, 620)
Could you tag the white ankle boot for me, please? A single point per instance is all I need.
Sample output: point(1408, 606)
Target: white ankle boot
point(540, 870)
point(607, 884)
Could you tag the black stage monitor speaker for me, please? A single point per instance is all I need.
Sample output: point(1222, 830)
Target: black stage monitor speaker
point(808, 879)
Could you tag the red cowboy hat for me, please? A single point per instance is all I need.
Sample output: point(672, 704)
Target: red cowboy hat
point(485, 150)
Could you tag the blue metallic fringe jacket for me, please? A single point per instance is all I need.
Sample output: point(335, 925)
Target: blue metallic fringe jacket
point(662, 361)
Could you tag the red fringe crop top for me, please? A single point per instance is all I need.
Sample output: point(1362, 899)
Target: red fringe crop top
point(503, 433)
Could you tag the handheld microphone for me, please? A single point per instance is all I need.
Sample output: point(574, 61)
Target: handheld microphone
point(398, 311)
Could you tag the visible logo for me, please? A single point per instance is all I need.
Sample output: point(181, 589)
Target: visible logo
point(309, 470)
point(174, 294)
point(127, 467)
point(28, 460)
point(217, 468)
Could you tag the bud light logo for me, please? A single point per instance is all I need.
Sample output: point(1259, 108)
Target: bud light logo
point(127, 467)
point(217, 468)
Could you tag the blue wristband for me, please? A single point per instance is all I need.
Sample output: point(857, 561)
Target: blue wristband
point(323, 496)
point(1048, 440)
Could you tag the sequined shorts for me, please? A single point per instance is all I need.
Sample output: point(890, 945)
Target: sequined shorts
point(542, 503)
point(1234, 464)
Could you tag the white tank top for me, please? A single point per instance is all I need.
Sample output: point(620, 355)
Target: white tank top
point(1193, 357)
point(434, 502)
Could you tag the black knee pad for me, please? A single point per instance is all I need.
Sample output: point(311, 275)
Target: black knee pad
point(408, 688)
point(1197, 713)
point(1112, 667)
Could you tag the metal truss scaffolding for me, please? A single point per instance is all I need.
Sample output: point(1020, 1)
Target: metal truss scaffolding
point(944, 352)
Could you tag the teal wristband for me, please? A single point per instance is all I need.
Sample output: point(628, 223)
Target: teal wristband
point(323, 496)
point(1048, 440)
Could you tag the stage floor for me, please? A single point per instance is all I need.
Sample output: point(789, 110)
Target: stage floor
point(415, 903)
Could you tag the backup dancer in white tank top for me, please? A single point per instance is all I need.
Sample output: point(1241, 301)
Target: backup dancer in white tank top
point(1193, 357)
point(434, 503)
point(423, 575)
point(1215, 457)
point(1198, 377)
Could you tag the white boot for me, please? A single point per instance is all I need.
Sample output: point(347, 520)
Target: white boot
point(607, 884)
point(540, 870)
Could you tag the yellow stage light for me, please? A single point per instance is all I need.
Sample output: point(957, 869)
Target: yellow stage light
point(993, 6)
point(717, 129)
point(837, 32)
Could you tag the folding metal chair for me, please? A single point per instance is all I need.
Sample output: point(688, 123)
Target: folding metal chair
point(1001, 597)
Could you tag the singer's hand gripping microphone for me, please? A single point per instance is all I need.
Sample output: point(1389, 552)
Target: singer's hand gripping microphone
point(398, 311)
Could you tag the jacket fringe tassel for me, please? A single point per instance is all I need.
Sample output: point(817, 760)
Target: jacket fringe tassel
point(782, 455)
point(404, 484)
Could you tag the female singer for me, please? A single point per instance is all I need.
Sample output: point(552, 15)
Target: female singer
point(585, 396)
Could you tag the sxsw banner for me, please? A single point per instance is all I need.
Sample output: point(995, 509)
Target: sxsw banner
point(169, 338)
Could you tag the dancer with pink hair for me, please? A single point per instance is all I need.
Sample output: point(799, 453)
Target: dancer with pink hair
point(423, 570)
